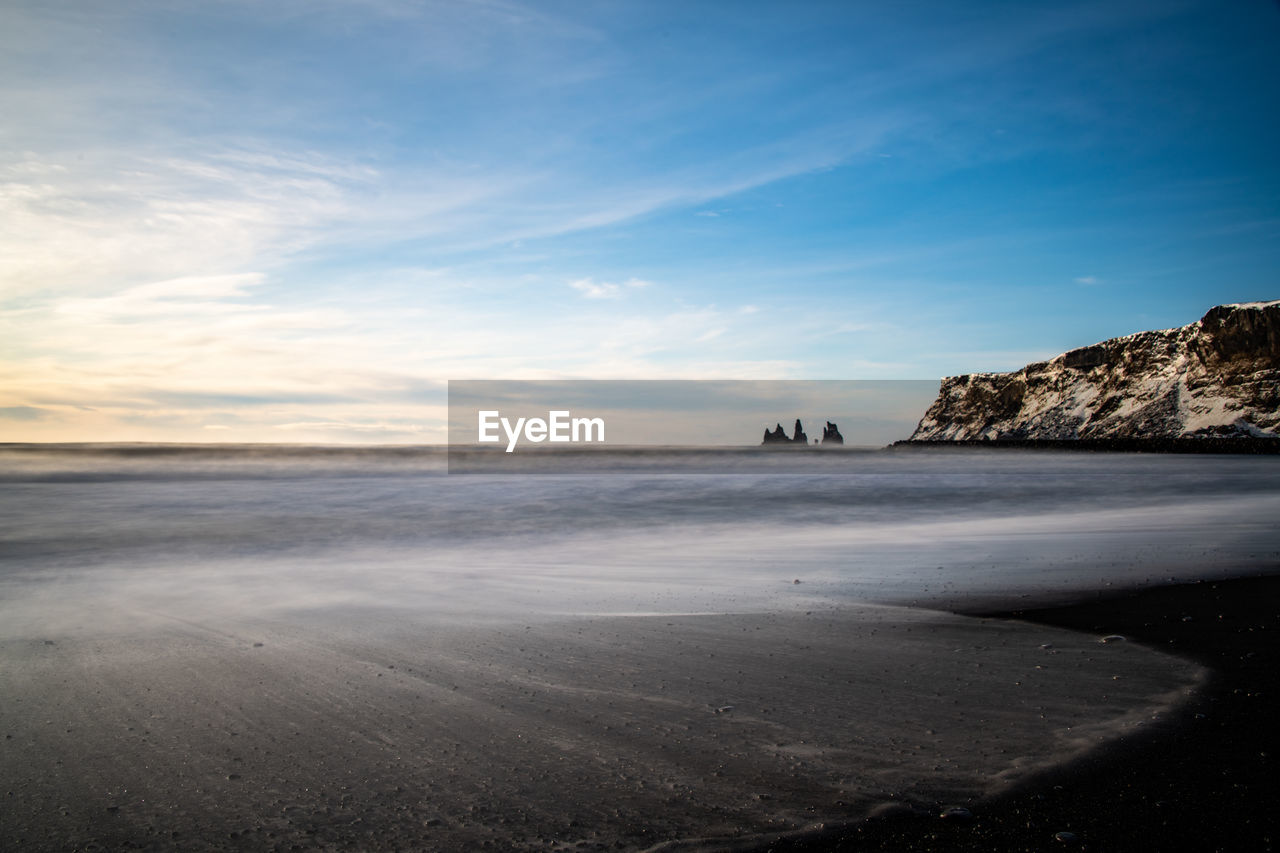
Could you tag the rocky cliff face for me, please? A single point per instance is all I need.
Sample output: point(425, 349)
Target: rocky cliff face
point(1219, 376)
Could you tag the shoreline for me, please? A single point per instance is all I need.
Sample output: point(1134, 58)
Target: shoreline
point(1213, 444)
point(1195, 781)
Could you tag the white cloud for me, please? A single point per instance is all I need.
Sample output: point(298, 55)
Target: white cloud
point(592, 289)
point(1088, 279)
point(208, 295)
point(109, 218)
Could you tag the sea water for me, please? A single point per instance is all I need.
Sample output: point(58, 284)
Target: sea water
point(251, 528)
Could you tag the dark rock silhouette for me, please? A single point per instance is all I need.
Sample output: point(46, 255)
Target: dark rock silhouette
point(778, 436)
point(831, 434)
point(799, 437)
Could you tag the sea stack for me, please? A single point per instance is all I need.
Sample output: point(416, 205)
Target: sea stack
point(775, 436)
point(778, 436)
point(799, 437)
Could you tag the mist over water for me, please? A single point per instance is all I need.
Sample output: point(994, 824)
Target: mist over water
point(186, 531)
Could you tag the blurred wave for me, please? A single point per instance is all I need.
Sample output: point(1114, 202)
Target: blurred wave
point(668, 529)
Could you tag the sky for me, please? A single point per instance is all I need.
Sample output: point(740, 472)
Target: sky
point(296, 221)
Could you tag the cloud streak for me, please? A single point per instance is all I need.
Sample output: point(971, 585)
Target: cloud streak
point(592, 289)
point(114, 218)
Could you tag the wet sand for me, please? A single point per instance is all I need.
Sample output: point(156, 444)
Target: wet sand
point(363, 729)
point(1200, 781)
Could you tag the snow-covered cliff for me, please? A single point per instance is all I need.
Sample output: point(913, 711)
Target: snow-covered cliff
point(1219, 376)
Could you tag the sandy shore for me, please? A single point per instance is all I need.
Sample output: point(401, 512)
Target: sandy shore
point(352, 729)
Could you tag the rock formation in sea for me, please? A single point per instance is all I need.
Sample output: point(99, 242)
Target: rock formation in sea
point(1216, 377)
point(831, 434)
point(799, 437)
point(777, 436)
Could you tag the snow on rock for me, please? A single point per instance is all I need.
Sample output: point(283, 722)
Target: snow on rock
point(1218, 376)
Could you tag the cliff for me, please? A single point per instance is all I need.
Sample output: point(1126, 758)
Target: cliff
point(1218, 376)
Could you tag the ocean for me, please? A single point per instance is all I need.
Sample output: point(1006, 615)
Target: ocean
point(718, 530)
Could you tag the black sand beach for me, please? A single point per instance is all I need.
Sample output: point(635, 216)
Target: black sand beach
point(633, 733)
point(1202, 780)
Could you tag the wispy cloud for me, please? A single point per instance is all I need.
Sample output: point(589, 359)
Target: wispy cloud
point(215, 294)
point(99, 222)
point(592, 289)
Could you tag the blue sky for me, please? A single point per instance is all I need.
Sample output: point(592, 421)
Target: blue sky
point(293, 221)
